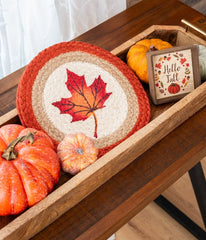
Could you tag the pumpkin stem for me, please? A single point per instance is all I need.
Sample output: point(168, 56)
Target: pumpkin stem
point(10, 153)
point(79, 150)
point(152, 48)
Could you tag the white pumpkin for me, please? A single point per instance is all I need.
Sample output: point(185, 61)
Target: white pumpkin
point(202, 62)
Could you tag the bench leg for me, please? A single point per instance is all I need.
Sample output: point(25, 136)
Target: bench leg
point(197, 178)
point(199, 186)
point(180, 217)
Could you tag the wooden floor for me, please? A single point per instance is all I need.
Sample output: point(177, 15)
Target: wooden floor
point(199, 5)
point(153, 223)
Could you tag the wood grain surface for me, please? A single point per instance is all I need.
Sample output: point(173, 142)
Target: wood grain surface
point(109, 207)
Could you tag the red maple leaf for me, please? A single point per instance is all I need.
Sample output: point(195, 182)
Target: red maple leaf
point(158, 65)
point(85, 99)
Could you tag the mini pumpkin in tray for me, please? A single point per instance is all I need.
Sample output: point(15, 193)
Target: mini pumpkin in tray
point(136, 56)
point(76, 152)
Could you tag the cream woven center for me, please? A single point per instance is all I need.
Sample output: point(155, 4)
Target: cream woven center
point(110, 118)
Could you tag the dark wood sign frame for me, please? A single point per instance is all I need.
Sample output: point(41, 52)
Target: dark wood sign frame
point(164, 67)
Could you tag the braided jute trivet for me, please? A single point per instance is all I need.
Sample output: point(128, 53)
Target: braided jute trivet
point(78, 87)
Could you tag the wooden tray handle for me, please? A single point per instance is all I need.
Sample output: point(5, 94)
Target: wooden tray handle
point(188, 24)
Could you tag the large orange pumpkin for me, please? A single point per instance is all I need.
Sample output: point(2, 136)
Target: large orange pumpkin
point(29, 168)
point(76, 152)
point(136, 56)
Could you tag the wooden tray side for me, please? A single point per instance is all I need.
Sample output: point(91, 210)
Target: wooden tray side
point(9, 118)
point(175, 35)
point(187, 38)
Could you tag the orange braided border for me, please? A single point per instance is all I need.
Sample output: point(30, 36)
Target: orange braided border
point(24, 91)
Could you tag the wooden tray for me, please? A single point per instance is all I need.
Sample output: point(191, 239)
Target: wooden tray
point(70, 191)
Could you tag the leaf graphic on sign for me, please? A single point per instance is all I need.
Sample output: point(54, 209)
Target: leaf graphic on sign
point(183, 60)
point(158, 65)
point(85, 99)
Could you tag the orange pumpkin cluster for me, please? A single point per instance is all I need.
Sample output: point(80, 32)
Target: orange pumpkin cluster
point(30, 165)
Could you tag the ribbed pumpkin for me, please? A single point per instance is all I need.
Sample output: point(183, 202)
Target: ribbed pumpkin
point(29, 168)
point(76, 152)
point(174, 88)
point(136, 56)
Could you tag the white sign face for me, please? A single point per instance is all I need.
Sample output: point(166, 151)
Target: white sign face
point(173, 73)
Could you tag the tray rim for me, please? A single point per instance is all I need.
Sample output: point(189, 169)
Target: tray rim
point(150, 29)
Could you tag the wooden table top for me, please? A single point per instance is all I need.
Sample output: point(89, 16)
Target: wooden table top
point(105, 210)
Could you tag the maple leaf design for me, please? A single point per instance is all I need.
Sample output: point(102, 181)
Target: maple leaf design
point(85, 99)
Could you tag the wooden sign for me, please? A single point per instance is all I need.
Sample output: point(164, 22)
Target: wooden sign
point(173, 73)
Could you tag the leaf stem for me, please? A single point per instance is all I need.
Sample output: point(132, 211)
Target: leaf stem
point(95, 120)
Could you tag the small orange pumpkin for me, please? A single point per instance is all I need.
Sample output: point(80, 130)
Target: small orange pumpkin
point(136, 56)
point(76, 152)
point(174, 88)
